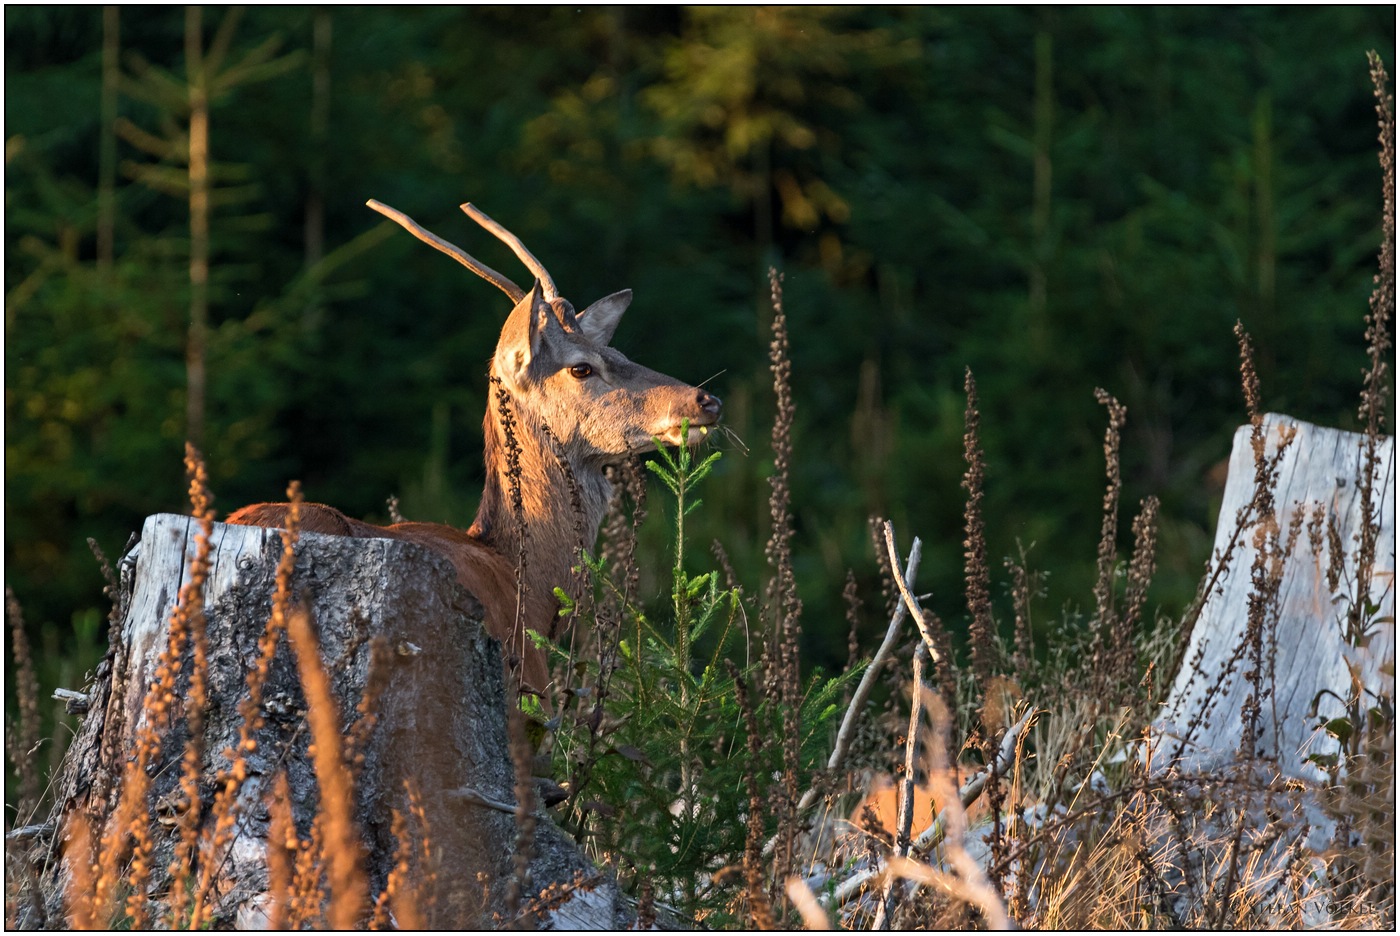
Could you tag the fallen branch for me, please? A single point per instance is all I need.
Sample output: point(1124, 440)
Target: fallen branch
point(846, 734)
point(909, 598)
point(906, 790)
point(932, 836)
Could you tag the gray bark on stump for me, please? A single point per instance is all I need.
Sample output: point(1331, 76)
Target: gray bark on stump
point(1320, 469)
point(441, 723)
point(1268, 651)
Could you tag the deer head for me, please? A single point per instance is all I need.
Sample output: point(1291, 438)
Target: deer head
point(557, 365)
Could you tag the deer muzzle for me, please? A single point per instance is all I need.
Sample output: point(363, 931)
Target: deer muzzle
point(709, 408)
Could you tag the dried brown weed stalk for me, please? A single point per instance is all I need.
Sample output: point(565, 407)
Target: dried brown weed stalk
point(22, 739)
point(123, 857)
point(336, 810)
point(783, 681)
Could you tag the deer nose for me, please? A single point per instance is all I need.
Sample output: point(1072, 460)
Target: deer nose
point(709, 403)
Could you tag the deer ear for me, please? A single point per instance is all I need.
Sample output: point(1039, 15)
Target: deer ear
point(524, 331)
point(599, 320)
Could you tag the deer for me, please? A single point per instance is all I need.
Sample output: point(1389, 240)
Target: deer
point(564, 406)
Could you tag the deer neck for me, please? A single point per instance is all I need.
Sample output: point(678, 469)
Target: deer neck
point(559, 515)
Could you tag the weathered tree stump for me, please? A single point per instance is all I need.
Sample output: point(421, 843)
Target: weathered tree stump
point(441, 726)
point(1311, 658)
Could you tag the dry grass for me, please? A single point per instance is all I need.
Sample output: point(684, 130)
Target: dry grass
point(347, 885)
point(123, 858)
point(398, 890)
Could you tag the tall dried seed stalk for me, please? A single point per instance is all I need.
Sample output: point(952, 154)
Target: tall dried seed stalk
point(850, 594)
point(1372, 413)
point(1249, 377)
point(366, 715)
point(977, 576)
point(191, 809)
point(516, 653)
point(23, 739)
point(348, 887)
point(426, 889)
point(84, 870)
point(224, 812)
point(398, 887)
point(282, 845)
point(520, 748)
point(1108, 551)
point(1376, 388)
point(309, 897)
point(1266, 578)
point(113, 593)
point(787, 608)
point(1021, 590)
point(1143, 563)
point(125, 851)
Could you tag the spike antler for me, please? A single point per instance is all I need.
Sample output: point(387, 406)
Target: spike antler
point(510, 240)
point(499, 280)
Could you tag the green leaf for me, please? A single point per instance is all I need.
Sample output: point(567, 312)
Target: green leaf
point(696, 585)
point(530, 705)
point(1339, 728)
point(1325, 761)
point(667, 477)
point(703, 469)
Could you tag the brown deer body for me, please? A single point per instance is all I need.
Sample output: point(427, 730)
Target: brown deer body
point(572, 405)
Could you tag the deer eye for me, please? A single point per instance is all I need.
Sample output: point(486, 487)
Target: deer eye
point(581, 370)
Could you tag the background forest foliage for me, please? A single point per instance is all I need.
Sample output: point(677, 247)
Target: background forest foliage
point(1058, 199)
